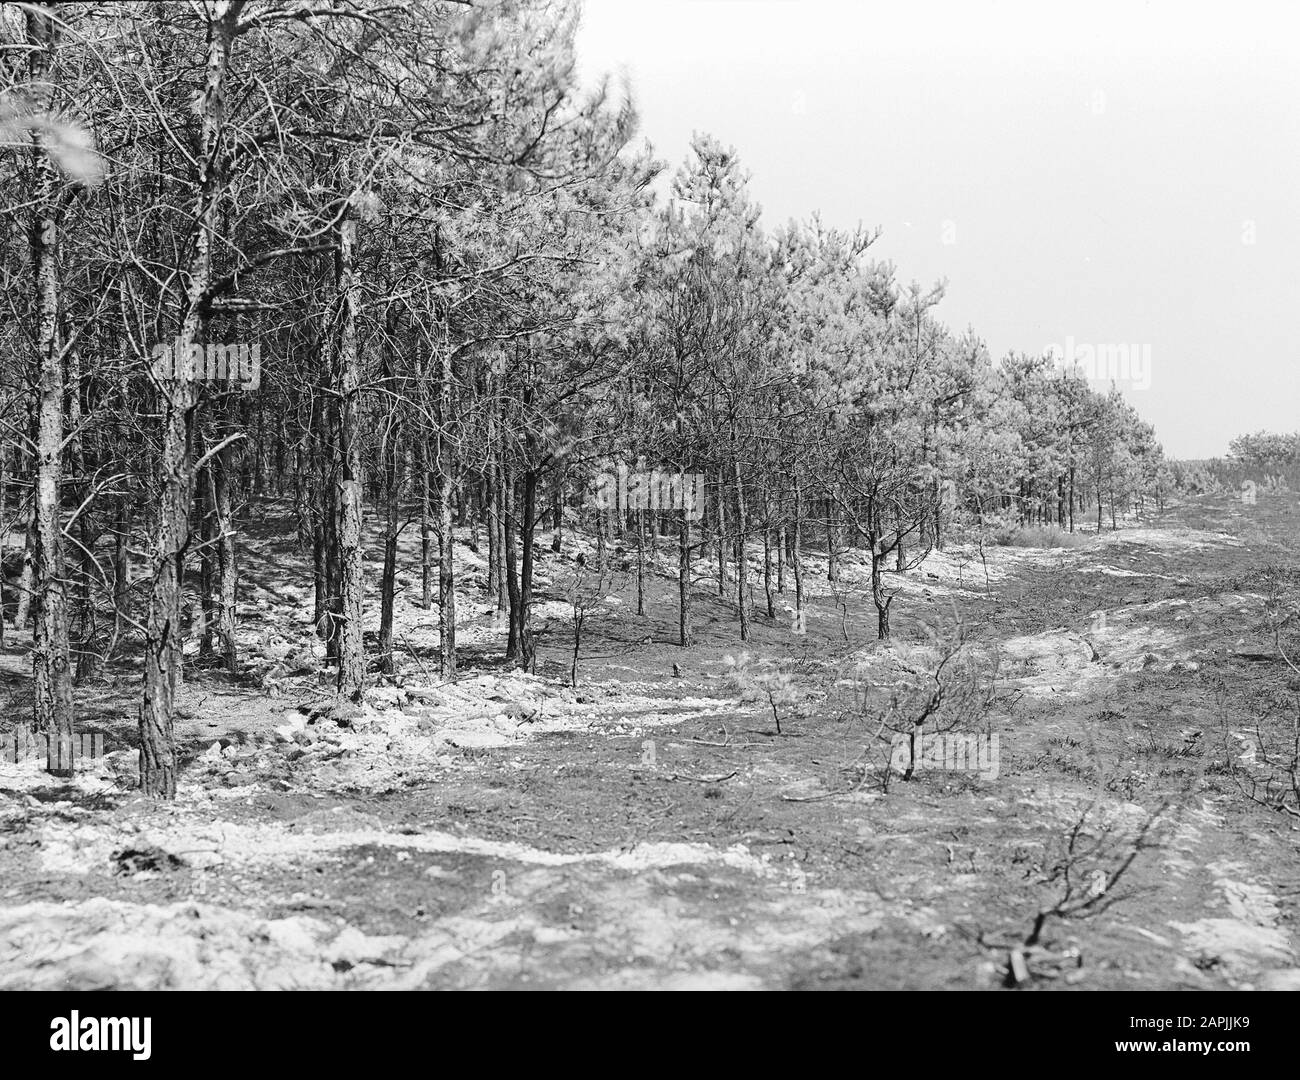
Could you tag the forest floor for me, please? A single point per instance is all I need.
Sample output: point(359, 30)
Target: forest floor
point(648, 828)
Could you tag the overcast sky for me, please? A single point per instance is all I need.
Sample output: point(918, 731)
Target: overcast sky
point(1102, 172)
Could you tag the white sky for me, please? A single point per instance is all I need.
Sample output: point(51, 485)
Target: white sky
point(1100, 166)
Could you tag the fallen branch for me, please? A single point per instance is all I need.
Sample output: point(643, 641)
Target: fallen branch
point(818, 798)
point(726, 745)
point(701, 779)
point(415, 656)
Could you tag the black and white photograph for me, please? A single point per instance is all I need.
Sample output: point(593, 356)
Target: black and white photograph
point(609, 495)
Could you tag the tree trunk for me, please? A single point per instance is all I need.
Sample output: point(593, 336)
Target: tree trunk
point(557, 512)
point(490, 523)
point(503, 590)
point(938, 521)
point(832, 555)
point(388, 580)
point(878, 596)
point(796, 558)
point(767, 559)
point(780, 559)
point(87, 651)
point(640, 562)
point(1071, 498)
point(685, 631)
point(742, 556)
point(442, 497)
point(207, 579)
point(426, 520)
point(527, 531)
point(23, 613)
point(352, 656)
point(321, 575)
point(4, 532)
point(52, 683)
point(227, 572)
point(121, 565)
point(722, 532)
point(512, 580)
point(176, 467)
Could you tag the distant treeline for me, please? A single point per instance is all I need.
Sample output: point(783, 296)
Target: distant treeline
point(1265, 463)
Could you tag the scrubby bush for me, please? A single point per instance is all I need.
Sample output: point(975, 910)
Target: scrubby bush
point(1037, 536)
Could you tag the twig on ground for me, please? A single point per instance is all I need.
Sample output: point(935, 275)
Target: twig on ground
point(415, 656)
point(701, 779)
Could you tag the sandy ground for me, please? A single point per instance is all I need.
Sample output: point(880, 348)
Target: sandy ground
point(649, 828)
